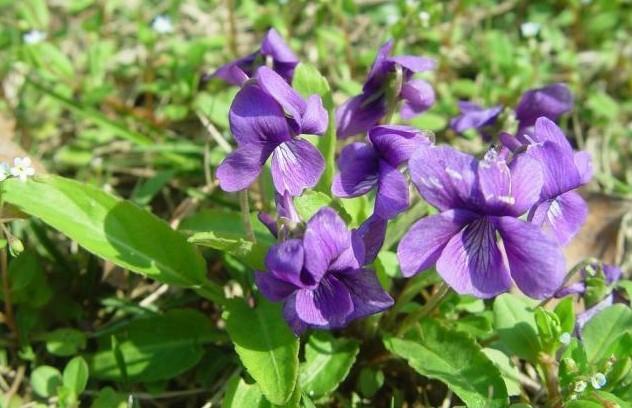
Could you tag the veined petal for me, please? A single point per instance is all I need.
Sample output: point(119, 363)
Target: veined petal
point(242, 167)
point(327, 306)
point(359, 114)
point(367, 294)
point(558, 169)
point(550, 101)
point(296, 165)
point(561, 217)
point(371, 233)
point(285, 262)
point(527, 179)
point(315, 118)
point(358, 164)
point(291, 316)
point(396, 143)
point(421, 246)
point(474, 117)
point(392, 192)
point(273, 84)
point(535, 261)
point(471, 262)
point(418, 96)
point(272, 288)
point(547, 131)
point(326, 238)
point(255, 117)
point(445, 177)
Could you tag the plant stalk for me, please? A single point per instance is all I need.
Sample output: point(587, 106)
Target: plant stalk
point(425, 310)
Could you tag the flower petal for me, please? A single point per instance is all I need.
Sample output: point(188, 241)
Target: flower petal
point(392, 192)
point(359, 114)
point(358, 164)
point(527, 179)
point(418, 96)
point(471, 263)
point(242, 167)
point(291, 317)
point(414, 63)
point(380, 68)
point(546, 130)
point(327, 306)
point(315, 118)
point(285, 262)
point(561, 217)
point(372, 233)
point(536, 262)
point(296, 165)
point(233, 72)
point(550, 101)
point(273, 84)
point(445, 177)
point(274, 46)
point(421, 246)
point(255, 117)
point(272, 288)
point(396, 143)
point(474, 117)
point(583, 162)
point(558, 169)
point(326, 238)
point(367, 294)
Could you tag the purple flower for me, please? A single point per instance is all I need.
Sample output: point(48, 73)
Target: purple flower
point(364, 111)
point(550, 101)
point(479, 202)
point(366, 166)
point(266, 117)
point(288, 218)
point(283, 61)
point(474, 116)
point(560, 210)
point(319, 277)
point(611, 274)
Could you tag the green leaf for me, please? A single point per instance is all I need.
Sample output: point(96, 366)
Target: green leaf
point(111, 228)
point(156, 347)
point(308, 81)
point(52, 59)
point(226, 224)
point(266, 347)
point(566, 314)
point(251, 253)
point(65, 342)
point(370, 381)
point(310, 202)
point(511, 374)
point(28, 281)
point(583, 404)
point(456, 360)
point(603, 331)
point(108, 398)
point(514, 322)
point(45, 381)
point(75, 376)
point(328, 361)
point(240, 394)
point(35, 12)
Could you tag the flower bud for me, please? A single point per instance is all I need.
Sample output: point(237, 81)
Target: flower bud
point(16, 247)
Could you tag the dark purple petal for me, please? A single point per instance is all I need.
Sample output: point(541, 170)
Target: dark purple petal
point(510, 142)
point(546, 130)
point(326, 238)
point(233, 73)
point(421, 246)
point(418, 96)
point(327, 306)
point(274, 46)
point(550, 101)
point(291, 317)
point(272, 288)
point(561, 217)
point(285, 207)
point(536, 262)
point(526, 183)
point(471, 262)
point(371, 233)
point(296, 165)
point(358, 164)
point(285, 262)
point(392, 192)
point(281, 91)
point(558, 168)
point(415, 64)
point(612, 273)
point(380, 68)
point(445, 177)
point(572, 289)
point(315, 118)
point(584, 317)
point(583, 162)
point(256, 117)
point(474, 117)
point(359, 114)
point(396, 143)
point(269, 222)
point(367, 294)
point(242, 167)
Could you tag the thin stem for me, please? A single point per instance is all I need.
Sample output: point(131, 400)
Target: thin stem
point(569, 275)
point(245, 214)
point(15, 386)
point(393, 98)
point(232, 27)
point(549, 370)
point(425, 310)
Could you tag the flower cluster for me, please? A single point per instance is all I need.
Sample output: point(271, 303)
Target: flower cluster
point(502, 219)
point(22, 169)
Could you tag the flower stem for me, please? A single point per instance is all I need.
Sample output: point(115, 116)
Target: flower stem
point(393, 95)
point(425, 310)
point(549, 370)
point(569, 275)
point(245, 215)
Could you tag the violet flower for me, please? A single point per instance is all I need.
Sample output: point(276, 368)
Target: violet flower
point(266, 118)
point(473, 116)
point(319, 277)
point(283, 61)
point(560, 210)
point(364, 111)
point(367, 166)
point(611, 273)
point(550, 101)
point(479, 202)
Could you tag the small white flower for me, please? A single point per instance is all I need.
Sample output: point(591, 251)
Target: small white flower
point(565, 338)
point(580, 386)
point(22, 168)
point(34, 37)
point(5, 172)
point(530, 29)
point(162, 25)
point(598, 381)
